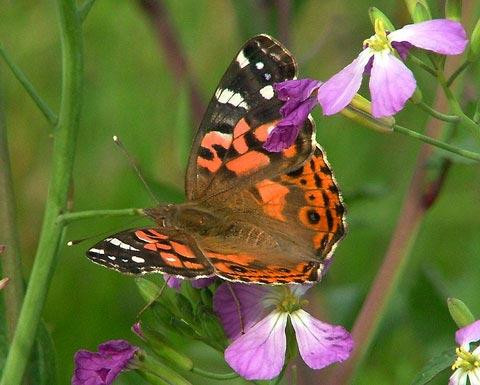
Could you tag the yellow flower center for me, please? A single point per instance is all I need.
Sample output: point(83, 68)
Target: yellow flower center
point(379, 41)
point(290, 303)
point(466, 360)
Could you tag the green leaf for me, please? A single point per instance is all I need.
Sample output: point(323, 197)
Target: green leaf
point(460, 313)
point(421, 12)
point(375, 13)
point(453, 9)
point(44, 369)
point(435, 366)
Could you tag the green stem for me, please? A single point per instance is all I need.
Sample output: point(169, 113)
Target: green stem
point(84, 9)
point(216, 376)
point(10, 259)
point(422, 64)
point(457, 72)
point(437, 143)
point(67, 218)
point(457, 109)
point(62, 164)
point(22, 78)
point(437, 114)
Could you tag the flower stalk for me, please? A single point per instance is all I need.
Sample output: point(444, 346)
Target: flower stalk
point(51, 234)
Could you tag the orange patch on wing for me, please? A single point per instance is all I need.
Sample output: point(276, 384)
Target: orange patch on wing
point(157, 234)
point(248, 162)
point(290, 151)
point(273, 196)
point(261, 132)
point(209, 140)
point(193, 266)
point(143, 236)
point(240, 128)
point(171, 259)
point(151, 246)
point(182, 249)
point(240, 145)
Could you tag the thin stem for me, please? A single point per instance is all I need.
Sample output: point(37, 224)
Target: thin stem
point(216, 376)
point(437, 143)
point(67, 218)
point(438, 114)
point(25, 82)
point(419, 62)
point(62, 164)
point(458, 71)
point(84, 9)
point(10, 260)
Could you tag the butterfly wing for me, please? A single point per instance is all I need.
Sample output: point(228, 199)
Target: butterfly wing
point(284, 228)
point(140, 251)
point(228, 149)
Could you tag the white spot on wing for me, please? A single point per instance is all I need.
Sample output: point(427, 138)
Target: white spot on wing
point(259, 65)
point(111, 257)
point(97, 251)
point(267, 92)
point(267, 76)
point(138, 259)
point(228, 96)
point(123, 245)
point(242, 60)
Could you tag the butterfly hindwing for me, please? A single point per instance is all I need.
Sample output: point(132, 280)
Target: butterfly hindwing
point(139, 251)
point(228, 149)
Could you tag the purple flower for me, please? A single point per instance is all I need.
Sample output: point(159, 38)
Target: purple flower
point(299, 102)
point(175, 282)
point(467, 364)
point(259, 342)
point(92, 368)
point(391, 82)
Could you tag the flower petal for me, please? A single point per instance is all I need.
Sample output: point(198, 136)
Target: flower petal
point(474, 376)
point(299, 89)
point(172, 281)
point(200, 283)
point(467, 334)
point(259, 354)
point(286, 131)
point(320, 344)
point(443, 36)
point(459, 377)
point(335, 94)
point(391, 85)
point(238, 306)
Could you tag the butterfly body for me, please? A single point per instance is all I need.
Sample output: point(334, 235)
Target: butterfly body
point(251, 215)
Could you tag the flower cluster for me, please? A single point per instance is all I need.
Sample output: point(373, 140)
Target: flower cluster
point(467, 364)
point(382, 58)
point(255, 318)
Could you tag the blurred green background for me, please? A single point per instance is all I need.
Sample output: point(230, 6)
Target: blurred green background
point(130, 91)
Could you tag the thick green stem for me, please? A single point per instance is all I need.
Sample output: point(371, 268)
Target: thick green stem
point(10, 259)
point(22, 78)
point(437, 143)
point(79, 215)
point(62, 159)
point(85, 9)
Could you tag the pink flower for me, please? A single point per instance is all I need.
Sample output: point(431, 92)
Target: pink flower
point(259, 342)
point(467, 364)
point(391, 82)
point(175, 282)
point(92, 368)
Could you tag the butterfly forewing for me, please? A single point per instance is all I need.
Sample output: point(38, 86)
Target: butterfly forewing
point(139, 251)
point(228, 150)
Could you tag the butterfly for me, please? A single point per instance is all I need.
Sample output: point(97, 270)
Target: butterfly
point(250, 215)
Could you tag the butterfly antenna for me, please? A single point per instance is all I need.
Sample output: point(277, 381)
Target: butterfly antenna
point(135, 167)
point(152, 301)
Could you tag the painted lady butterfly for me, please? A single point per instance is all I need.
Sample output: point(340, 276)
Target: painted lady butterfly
point(251, 215)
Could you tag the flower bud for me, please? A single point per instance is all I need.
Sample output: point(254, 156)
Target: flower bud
point(474, 49)
point(460, 313)
point(157, 342)
point(421, 12)
point(157, 372)
point(148, 289)
point(360, 111)
point(375, 13)
point(453, 9)
point(417, 96)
